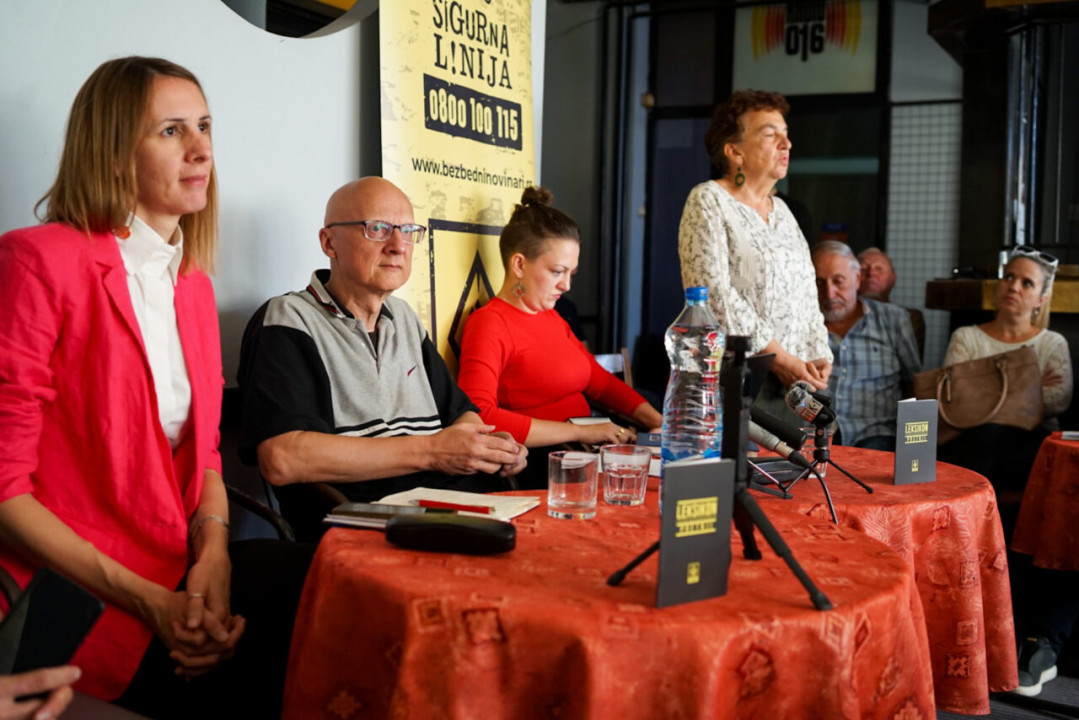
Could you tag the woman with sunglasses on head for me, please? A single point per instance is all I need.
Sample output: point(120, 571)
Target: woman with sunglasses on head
point(1046, 602)
point(521, 363)
point(1022, 318)
point(1002, 453)
point(110, 401)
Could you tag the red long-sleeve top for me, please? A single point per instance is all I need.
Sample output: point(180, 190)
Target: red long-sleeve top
point(516, 366)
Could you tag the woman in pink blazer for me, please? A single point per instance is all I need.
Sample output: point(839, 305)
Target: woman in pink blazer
point(110, 395)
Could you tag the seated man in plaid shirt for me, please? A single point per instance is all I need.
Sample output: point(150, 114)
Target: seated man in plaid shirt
point(875, 354)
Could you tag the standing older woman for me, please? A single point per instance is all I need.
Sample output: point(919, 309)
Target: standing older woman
point(742, 242)
point(520, 362)
point(110, 398)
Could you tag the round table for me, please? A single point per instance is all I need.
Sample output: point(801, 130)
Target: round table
point(1048, 524)
point(537, 633)
point(949, 532)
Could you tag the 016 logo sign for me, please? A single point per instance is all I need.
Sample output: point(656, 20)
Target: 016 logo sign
point(805, 28)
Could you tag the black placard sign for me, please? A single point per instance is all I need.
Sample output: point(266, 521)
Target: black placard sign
point(695, 540)
point(916, 442)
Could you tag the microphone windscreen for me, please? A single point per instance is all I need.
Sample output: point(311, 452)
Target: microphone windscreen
point(795, 397)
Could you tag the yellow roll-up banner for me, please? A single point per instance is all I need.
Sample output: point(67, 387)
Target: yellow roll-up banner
point(457, 138)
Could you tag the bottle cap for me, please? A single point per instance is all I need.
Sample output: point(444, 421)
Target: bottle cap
point(697, 293)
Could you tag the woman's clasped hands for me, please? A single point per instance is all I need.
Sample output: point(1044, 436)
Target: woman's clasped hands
point(195, 624)
point(789, 368)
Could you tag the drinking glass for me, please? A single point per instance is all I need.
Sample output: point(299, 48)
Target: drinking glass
point(572, 484)
point(807, 449)
point(625, 473)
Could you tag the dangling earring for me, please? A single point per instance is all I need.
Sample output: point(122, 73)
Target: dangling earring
point(739, 178)
point(1035, 313)
point(518, 289)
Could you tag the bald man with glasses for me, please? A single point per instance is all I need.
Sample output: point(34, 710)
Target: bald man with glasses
point(342, 384)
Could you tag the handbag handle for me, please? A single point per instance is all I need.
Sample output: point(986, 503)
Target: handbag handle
point(1001, 364)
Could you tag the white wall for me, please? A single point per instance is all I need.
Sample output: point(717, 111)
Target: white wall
point(921, 69)
point(923, 183)
point(288, 118)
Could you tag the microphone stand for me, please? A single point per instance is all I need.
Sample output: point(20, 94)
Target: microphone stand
point(821, 459)
point(747, 513)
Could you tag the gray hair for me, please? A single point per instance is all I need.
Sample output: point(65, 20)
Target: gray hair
point(870, 250)
point(834, 247)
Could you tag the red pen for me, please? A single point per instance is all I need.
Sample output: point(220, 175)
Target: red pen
point(439, 505)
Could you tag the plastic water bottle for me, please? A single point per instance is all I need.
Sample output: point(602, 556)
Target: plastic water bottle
point(692, 413)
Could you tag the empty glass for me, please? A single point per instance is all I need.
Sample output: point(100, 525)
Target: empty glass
point(572, 484)
point(625, 473)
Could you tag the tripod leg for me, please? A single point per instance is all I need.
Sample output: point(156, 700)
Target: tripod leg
point(792, 483)
point(840, 469)
point(747, 503)
point(744, 524)
point(771, 480)
point(620, 575)
point(827, 496)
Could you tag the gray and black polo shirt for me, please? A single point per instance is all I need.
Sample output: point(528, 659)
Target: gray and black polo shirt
point(307, 364)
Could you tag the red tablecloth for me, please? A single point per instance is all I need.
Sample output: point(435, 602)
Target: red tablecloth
point(536, 633)
point(950, 533)
point(1048, 524)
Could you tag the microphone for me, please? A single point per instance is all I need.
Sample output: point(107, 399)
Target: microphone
point(766, 439)
point(803, 402)
point(784, 431)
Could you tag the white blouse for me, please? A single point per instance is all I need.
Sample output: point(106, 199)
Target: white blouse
point(971, 343)
point(760, 278)
point(152, 266)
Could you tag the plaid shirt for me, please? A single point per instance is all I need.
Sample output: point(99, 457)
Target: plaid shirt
point(873, 362)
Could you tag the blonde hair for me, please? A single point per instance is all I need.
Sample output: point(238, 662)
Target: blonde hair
point(96, 188)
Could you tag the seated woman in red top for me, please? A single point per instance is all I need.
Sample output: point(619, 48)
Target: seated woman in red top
point(520, 362)
point(110, 401)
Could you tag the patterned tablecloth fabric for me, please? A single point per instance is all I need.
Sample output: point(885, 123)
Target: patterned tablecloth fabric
point(537, 633)
point(1048, 524)
point(949, 532)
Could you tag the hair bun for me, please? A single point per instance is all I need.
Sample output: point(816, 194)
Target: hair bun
point(537, 196)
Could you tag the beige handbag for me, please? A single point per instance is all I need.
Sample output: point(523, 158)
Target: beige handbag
point(1004, 389)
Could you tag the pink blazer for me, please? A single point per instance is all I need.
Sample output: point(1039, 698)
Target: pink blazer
point(79, 426)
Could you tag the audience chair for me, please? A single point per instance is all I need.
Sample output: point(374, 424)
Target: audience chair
point(253, 509)
point(255, 505)
point(304, 505)
point(618, 365)
point(917, 324)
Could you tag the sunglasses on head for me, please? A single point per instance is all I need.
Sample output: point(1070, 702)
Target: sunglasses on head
point(1025, 251)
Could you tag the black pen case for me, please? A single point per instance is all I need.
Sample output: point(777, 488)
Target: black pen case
point(451, 533)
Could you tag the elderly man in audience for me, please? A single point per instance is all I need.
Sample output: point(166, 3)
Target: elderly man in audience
point(878, 279)
point(342, 384)
point(873, 344)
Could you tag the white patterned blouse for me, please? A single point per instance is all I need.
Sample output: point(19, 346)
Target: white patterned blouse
point(760, 278)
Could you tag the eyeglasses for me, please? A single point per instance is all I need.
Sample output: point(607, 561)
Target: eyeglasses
point(380, 230)
point(1025, 251)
